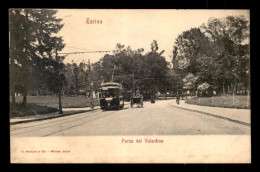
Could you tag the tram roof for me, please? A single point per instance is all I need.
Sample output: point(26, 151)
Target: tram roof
point(111, 85)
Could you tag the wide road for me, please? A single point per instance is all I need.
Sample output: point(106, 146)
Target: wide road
point(161, 118)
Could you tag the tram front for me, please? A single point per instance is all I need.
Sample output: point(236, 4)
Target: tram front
point(111, 96)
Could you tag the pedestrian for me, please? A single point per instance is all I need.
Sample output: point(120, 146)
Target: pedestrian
point(92, 104)
point(152, 99)
point(177, 98)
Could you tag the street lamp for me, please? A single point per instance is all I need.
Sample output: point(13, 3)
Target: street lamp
point(91, 97)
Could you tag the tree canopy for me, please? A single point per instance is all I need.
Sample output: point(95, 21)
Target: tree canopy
point(217, 53)
point(135, 70)
point(34, 62)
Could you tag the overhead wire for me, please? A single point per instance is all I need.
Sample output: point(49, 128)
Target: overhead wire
point(82, 52)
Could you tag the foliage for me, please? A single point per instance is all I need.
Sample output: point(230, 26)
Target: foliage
point(34, 63)
point(203, 86)
point(216, 53)
point(146, 73)
point(18, 110)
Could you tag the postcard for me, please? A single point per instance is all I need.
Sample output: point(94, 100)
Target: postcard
point(129, 86)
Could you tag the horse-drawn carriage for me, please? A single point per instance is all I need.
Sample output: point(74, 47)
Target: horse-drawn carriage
point(136, 99)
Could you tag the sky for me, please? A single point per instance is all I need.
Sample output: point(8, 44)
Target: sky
point(134, 28)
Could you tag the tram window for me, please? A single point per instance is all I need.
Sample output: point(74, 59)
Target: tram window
point(116, 92)
point(110, 93)
point(103, 93)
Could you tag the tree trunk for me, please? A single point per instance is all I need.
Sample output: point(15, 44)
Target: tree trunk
point(236, 87)
point(233, 98)
point(12, 82)
point(24, 99)
point(224, 87)
point(11, 70)
point(24, 103)
point(60, 105)
point(233, 92)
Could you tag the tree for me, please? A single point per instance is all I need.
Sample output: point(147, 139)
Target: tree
point(156, 69)
point(203, 89)
point(70, 88)
point(33, 47)
point(217, 53)
point(154, 46)
point(174, 57)
point(191, 45)
point(146, 73)
point(83, 78)
point(230, 37)
point(55, 68)
point(190, 81)
point(190, 53)
point(21, 50)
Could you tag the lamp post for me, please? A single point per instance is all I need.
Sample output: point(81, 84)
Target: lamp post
point(91, 97)
point(60, 87)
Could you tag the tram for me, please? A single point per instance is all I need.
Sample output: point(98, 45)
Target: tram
point(111, 96)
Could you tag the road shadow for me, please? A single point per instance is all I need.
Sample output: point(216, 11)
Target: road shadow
point(111, 110)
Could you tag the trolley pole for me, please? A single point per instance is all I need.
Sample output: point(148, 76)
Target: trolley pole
point(112, 78)
point(133, 83)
